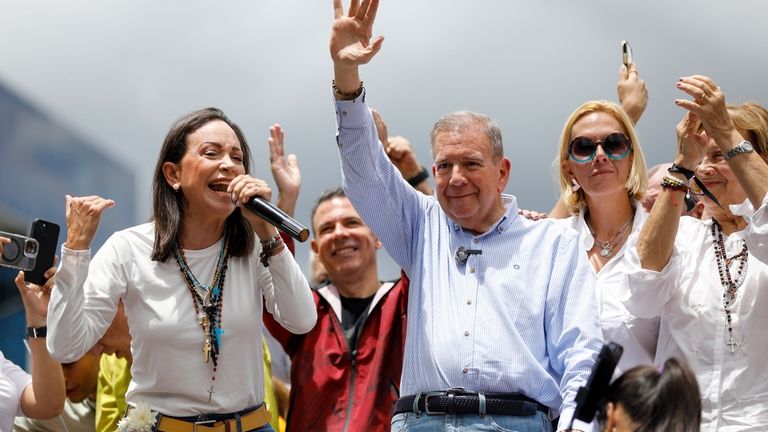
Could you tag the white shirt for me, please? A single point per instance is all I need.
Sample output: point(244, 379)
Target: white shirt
point(688, 295)
point(13, 380)
point(638, 336)
point(167, 342)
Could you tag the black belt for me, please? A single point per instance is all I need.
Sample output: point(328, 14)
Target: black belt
point(462, 402)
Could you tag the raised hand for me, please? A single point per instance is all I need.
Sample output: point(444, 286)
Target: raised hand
point(708, 105)
point(691, 144)
point(285, 171)
point(633, 94)
point(35, 297)
point(351, 44)
point(83, 217)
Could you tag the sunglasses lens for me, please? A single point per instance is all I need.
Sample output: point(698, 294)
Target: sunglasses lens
point(616, 146)
point(582, 149)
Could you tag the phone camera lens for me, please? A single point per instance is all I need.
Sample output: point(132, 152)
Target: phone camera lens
point(30, 248)
point(11, 250)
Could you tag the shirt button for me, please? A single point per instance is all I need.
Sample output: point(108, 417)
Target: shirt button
point(471, 269)
point(465, 370)
point(466, 333)
point(343, 113)
point(469, 301)
point(475, 241)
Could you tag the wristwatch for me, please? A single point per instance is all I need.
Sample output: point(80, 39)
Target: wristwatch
point(743, 147)
point(37, 332)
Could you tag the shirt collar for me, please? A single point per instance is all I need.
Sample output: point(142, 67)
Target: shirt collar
point(510, 213)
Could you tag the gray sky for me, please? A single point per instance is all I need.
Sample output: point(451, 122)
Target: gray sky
point(120, 72)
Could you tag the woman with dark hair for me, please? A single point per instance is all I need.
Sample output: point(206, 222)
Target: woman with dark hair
point(648, 399)
point(193, 282)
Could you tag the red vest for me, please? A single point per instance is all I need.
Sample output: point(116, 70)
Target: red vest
point(333, 389)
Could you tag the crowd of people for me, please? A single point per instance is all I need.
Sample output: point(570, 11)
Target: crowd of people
point(498, 315)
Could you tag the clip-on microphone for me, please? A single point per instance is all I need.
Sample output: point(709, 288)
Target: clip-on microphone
point(589, 397)
point(462, 254)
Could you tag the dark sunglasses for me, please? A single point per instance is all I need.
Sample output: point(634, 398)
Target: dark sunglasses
point(616, 146)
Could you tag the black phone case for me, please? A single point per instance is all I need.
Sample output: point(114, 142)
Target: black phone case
point(47, 235)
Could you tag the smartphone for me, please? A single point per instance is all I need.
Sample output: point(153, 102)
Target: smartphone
point(47, 235)
point(20, 253)
point(626, 53)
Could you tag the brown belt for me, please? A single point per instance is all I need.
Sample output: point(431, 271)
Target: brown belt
point(253, 420)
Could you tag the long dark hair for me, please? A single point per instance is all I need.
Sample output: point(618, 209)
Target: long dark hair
point(168, 205)
point(659, 400)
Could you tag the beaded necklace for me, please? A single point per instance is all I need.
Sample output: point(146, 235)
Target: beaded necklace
point(606, 247)
point(729, 284)
point(208, 301)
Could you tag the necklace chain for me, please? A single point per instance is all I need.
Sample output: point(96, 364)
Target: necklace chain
point(208, 303)
point(730, 285)
point(606, 247)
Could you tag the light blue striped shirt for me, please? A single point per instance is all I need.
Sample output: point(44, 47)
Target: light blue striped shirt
point(519, 318)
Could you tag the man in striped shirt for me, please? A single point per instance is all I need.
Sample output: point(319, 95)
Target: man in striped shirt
point(502, 320)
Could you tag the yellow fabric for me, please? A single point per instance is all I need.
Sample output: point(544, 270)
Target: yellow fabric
point(114, 377)
point(270, 398)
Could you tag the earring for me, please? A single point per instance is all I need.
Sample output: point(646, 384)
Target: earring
point(176, 186)
point(576, 186)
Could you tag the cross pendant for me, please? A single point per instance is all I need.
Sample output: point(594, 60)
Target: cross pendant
point(210, 393)
point(732, 343)
point(207, 348)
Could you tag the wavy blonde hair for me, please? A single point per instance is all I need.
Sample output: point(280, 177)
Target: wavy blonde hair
point(638, 176)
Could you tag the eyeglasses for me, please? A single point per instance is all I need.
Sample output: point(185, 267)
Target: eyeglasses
point(616, 146)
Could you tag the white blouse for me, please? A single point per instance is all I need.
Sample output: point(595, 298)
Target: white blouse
point(13, 380)
point(688, 295)
point(168, 368)
point(637, 335)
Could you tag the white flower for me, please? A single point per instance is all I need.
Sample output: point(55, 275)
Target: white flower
point(139, 419)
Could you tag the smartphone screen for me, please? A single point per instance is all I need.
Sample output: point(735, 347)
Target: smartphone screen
point(626, 53)
point(47, 235)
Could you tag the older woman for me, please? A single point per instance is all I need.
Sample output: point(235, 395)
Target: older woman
point(706, 278)
point(192, 282)
point(602, 176)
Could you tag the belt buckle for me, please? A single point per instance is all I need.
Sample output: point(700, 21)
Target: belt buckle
point(203, 423)
point(426, 402)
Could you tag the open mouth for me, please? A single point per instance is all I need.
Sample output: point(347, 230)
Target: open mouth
point(220, 187)
point(344, 250)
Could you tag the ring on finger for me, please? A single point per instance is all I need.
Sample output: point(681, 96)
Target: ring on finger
point(700, 100)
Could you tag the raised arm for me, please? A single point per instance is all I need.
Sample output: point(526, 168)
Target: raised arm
point(633, 94)
point(285, 171)
point(44, 397)
point(709, 106)
point(351, 44)
point(400, 152)
point(657, 238)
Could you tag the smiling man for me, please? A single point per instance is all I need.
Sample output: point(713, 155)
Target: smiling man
point(345, 372)
point(502, 320)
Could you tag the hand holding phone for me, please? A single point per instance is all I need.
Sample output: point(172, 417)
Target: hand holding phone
point(47, 235)
point(19, 252)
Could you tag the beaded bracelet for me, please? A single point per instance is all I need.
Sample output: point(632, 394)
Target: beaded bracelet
point(349, 96)
point(672, 183)
point(269, 248)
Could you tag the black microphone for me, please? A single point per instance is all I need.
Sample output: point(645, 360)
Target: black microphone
point(462, 254)
point(267, 211)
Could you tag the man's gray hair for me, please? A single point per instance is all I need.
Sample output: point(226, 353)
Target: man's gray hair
point(456, 121)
